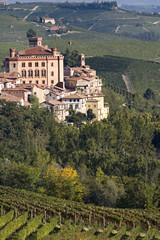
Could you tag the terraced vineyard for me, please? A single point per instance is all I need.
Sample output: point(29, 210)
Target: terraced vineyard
point(39, 216)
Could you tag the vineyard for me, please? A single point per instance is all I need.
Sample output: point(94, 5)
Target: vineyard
point(27, 215)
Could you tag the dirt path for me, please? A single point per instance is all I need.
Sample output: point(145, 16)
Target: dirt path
point(30, 13)
point(127, 83)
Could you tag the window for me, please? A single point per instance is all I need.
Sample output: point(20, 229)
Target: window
point(36, 73)
point(30, 73)
point(89, 106)
point(29, 64)
point(94, 106)
point(36, 64)
point(14, 65)
point(23, 73)
point(52, 73)
point(43, 73)
point(52, 81)
point(52, 64)
point(30, 81)
point(43, 64)
point(24, 82)
point(76, 106)
point(23, 64)
point(43, 82)
point(36, 82)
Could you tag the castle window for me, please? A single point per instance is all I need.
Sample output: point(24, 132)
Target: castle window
point(29, 64)
point(36, 82)
point(43, 82)
point(52, 64)
point(43, 73)
point(36, 64)
point(30, 81)
point(14, 65)
point(30, 73)
point(52, 73)
point(52, 81)
point(23, 73)
point(24, 82)
point(43, 64)
point(23, 64)
point(94, 106)
point(36, 73)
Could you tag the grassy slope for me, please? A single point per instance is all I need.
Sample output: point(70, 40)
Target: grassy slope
point(97, 20)
point(142, 74)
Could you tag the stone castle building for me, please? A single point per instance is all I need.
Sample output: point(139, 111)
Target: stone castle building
point(37, 65)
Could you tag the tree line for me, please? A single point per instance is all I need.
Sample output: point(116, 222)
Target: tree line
point(113, 163)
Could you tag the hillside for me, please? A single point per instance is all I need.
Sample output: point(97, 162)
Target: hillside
point(97, 17)
point(41, 217)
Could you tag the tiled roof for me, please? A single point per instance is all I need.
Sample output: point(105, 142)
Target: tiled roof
point(18, 89)
point(54, 102)
point(48, 18)
point(9, 75)
point(39, 50)
point(10, 97)
point(74, 96)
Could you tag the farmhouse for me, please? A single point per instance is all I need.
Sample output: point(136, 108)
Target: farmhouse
point(48, 20)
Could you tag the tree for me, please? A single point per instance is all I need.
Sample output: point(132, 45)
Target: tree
point(63, 183)
point(31, 33)
point(149, 94)
point(90, 114)
point(34, 101)
point(71, 58)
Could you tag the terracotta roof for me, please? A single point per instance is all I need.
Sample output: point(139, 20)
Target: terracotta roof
point(15, 89)
point(73, 96)
point(39, 50)
point(49, 18)
point(43, 87)
point(54, 102)
point(10, 97)
point(92, 100)
point(9, 75)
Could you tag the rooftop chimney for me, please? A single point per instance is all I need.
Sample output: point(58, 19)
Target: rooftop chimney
point(35, 41)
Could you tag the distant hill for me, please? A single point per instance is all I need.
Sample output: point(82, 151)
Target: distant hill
point(97, 17)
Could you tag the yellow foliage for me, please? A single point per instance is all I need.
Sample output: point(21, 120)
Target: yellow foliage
point(64, 183)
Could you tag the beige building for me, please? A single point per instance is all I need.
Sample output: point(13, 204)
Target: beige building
point(37, 65)
point(96, 103)
point(59, 109)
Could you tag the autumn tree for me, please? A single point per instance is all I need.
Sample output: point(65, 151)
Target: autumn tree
point(63, 183)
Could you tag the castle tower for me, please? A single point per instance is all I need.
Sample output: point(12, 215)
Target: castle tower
point(82, 59)
point(35, 41)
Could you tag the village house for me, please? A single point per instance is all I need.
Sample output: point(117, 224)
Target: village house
point(48, 20)
point(11, 98)
point(59, 109)
point(75, 102)
point(37, 65)
point(9, 80)
point(96, 103)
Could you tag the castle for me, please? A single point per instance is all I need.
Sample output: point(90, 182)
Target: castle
point(37, 65)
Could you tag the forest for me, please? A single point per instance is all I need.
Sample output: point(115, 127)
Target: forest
point(112, 163)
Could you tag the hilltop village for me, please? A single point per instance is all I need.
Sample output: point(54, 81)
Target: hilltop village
point(40, 71)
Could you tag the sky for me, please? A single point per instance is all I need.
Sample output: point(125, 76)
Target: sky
point(139, 2)
point(120, 2)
